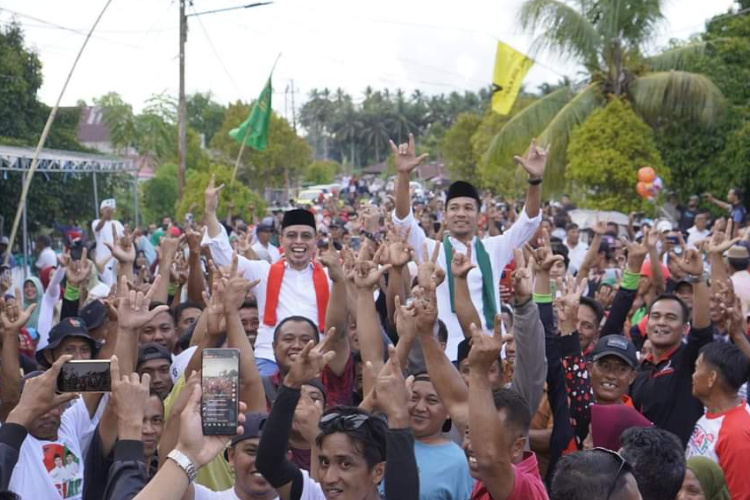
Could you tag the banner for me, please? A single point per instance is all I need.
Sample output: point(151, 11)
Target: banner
point(511, 68)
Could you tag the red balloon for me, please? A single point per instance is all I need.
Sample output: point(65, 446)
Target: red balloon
point(643, 190)
point(646, 174)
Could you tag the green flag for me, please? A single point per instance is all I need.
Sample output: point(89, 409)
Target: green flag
point(254, 130)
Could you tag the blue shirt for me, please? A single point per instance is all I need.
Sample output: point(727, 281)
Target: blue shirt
point(443, 472)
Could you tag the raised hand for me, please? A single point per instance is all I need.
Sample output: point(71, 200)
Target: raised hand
point(132, 310)
point(215, 306)
point(461, 264)
point(367, 274)
point(179, 271)
point(718, 243)
point(567, 304)
point(398, 250)
point(543, 256)
point(307, 414)
point(392, 392)
point(406, 320)
point(331, 260)
point(193, 239)
point(429, 274)
point(40, 395)
point(485, 349)
point(212, 195)
point(309, 363)
point(425, 307)
point(122, 247)
point(535, 160)
point(79, 271)
point(12, 318)
point(235, 292)
point(168, 248)
point(523, 282)
point(405, 155)
point(129, 397)
point(605, 296)
point(192, 443)
point(691, 262)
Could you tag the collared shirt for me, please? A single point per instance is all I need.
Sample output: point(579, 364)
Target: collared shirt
point(500, 250)
point(663, 390)
point(268, 253)
point(576, 254)
point(296, 297)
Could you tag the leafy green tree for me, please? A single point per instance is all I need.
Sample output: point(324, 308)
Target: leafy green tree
point(21, 77)
point(285, 158)
point(322, 172)
point(459, 153)
point(607, 39)
point(605, 154)
point(204, 114)
point(240, 195)
point(159, 194)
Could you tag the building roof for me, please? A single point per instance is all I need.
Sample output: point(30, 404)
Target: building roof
point(55, 160)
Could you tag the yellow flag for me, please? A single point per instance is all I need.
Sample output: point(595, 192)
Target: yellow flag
point(510, 69)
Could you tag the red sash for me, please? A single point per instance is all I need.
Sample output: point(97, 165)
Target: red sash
point(276, 276)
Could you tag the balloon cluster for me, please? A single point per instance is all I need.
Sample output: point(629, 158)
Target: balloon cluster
point(649, 185)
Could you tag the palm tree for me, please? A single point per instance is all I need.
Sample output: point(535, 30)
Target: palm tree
point(607, 38)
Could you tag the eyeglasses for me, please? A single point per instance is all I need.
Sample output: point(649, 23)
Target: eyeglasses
point(343, 422)
point(623, 467)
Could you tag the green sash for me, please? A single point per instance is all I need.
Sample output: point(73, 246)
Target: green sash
point(489, 305)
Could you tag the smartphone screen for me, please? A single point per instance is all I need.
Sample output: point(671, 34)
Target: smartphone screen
point(354, 243)
point(220, 379)
point(90, 375)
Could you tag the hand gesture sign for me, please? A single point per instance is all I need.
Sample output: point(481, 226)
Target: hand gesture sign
point(122, 247)
point(429, 274)
point(535, 160)
point(168, 248)
point(425, 306)
point(485, 349)
point(235, 291)
point(600, 227)
point(79, 271)
point(718, 243)
point(567, 304)
point(543, 256)
point(132, 310)
point(212, 195)
point(406, 158)
point(392, 393)
point(331, 260)
point(398, 252)
point(12, 318)
point(461, 264)
point(310, 362)
point(691, 262)
point(193, 240)
point(406, 320)
point(367, 274)
point(523, 281)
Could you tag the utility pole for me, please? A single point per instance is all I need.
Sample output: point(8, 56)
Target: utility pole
point(182, 107)
point(294, 113)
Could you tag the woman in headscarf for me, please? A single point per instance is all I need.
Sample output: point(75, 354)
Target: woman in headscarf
point(704, 480)
point(29, 337)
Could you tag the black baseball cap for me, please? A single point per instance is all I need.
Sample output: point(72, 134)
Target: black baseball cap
point(93, 314)
point(252, 428)
point(616, 345)
point(150, 351)
point(67, 327)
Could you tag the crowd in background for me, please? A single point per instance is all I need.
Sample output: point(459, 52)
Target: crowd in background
point(394, 343)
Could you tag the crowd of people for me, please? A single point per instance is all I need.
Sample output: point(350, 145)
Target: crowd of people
point(401, 345)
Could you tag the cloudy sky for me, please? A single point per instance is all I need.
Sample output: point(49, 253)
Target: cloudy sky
point(434, 45)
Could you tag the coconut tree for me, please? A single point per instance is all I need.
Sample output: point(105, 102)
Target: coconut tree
point(607, 38)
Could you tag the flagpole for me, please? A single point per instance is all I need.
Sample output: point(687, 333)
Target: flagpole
point(247, 131)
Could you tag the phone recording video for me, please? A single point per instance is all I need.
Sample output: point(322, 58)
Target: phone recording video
point(89, 375)
point(220, 379)
point(354, 243)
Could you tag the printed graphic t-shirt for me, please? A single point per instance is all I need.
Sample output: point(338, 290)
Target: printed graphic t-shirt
point(54, 469)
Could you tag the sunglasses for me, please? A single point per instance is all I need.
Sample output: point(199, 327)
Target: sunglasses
point(343, 422)
point(624, 467)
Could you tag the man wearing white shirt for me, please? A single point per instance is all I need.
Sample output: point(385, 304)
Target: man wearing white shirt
point(47, 256)
point(263, 248)
point(294, 286)
point(576, 248)
point(461, 219)
point(698, 232)
point(105, 230)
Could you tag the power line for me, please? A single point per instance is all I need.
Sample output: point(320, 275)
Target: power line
point(216, 52)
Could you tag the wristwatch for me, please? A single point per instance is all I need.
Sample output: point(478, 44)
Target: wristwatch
point(534, 182)
point(693, 279)
point(185, 463)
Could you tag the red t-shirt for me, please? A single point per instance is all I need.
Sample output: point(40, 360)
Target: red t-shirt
point(528, 483)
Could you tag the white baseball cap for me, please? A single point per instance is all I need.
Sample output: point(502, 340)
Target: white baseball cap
point(108, 203)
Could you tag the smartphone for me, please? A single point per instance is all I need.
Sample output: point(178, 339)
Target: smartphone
point(354, 243)
point(675, 240)
point(88, 375)
point(220, 379)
